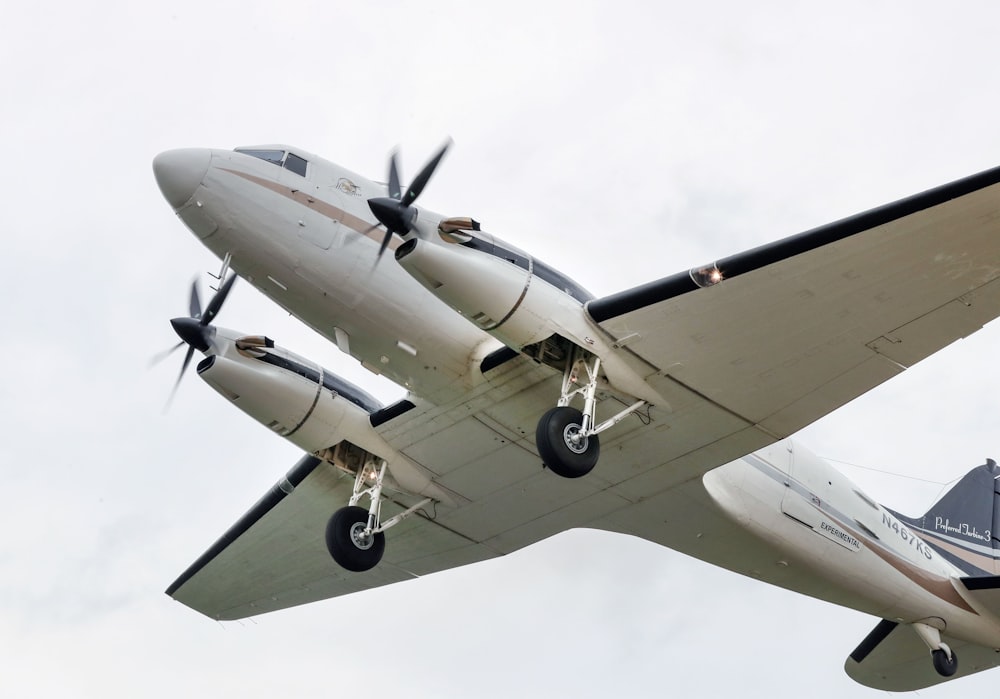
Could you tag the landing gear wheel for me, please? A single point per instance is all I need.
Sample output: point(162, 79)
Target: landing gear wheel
point(561, 445)
point(944, 666)
point(347, 543)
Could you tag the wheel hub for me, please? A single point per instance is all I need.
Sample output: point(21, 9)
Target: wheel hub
point(361, 537)
point(574, 438)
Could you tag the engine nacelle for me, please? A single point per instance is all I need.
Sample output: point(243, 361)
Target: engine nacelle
point(290, 395)
point(307, 405)
point(501, 290)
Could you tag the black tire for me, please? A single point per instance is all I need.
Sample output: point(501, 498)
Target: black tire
point(345, 547)
point(944, 666)
point(551, 438)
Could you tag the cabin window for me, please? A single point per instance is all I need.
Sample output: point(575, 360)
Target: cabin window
point(296, 164)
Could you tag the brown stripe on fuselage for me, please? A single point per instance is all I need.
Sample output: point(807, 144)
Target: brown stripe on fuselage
point(327, 209)
point(937, 586)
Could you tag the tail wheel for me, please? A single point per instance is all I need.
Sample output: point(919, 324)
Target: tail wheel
point(348, 540)
point(562, 444)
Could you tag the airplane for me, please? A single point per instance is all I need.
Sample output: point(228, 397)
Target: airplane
point(665, 411)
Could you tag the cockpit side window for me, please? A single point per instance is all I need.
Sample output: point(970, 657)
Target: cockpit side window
point(296, 164)
point(281, 158)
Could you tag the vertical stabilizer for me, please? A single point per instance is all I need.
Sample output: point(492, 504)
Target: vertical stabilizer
point(964, 525)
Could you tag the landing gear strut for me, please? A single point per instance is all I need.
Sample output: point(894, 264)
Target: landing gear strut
point(354, 536)
point(567, 438)
point(944, 659)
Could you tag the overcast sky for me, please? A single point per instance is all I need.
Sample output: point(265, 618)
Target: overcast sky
point(618, 141)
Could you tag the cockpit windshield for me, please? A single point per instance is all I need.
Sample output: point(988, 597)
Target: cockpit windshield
point(271, 156)
point(281, 158)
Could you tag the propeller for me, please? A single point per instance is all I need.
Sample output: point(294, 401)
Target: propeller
point(396, 211)
point(196, 331)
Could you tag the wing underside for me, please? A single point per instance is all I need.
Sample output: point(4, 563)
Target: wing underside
point(799, 327)
point(275, 555)
point(794, 330)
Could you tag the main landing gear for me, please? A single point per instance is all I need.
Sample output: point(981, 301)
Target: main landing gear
point(567, 438)
point(944, 659)
point(355, 537)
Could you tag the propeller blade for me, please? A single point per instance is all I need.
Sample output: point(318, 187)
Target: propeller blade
point(393, 177)
point(384, 245)
point(364, 233)
point(195, 301)
point(394, 212)
point(163, 355)
point(184, 366)
point(216, 303)
point(420, 181)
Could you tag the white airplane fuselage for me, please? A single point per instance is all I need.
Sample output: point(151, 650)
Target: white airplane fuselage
point(304, 251)
point(868, 559)
point(309, 243)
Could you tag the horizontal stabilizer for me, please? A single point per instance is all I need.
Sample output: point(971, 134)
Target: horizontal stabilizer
point(893, 658)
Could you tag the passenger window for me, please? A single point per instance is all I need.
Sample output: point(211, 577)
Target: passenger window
point(296, 164)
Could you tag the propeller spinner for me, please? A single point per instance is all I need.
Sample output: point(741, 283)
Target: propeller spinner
point(396, 212)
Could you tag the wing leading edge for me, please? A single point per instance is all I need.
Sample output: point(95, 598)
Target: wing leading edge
point(799, 327)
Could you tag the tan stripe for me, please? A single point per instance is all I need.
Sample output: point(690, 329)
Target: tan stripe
point(977, 559)
point(327, 209)
point(937, 586)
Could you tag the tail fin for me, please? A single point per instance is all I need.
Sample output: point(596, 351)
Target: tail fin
point(964, 525)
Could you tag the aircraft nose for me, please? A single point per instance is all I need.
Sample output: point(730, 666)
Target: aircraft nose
point(179, 172)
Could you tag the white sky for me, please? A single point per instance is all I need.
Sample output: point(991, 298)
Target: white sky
point(619, 141)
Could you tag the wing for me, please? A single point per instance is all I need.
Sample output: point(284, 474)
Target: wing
point(893, 658)
point(799, 327)
point(275, 556)
point(794, 330)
